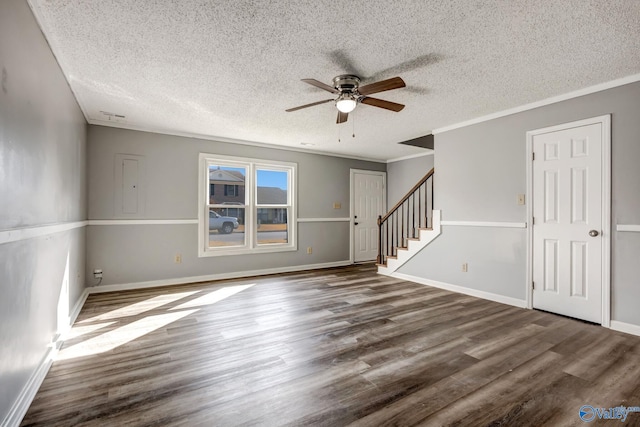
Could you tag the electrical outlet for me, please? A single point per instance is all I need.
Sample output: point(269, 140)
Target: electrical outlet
point(309, 250)
point(337, 205)
point(97, 273)
point(178, 258)
point(465, 267)
point(521, 199)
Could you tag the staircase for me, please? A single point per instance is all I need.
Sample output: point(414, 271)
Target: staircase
point(408, 227)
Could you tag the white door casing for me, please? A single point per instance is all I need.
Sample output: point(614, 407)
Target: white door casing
point(569, 190)
point(368, 201)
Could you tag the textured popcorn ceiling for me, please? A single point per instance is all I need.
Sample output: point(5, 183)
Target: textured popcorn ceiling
point(229, 69)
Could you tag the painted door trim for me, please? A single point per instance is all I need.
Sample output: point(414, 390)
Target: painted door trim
point(352, 227)
point(605, 121)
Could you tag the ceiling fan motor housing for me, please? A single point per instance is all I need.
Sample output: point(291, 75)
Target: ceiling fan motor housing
point(346, 83)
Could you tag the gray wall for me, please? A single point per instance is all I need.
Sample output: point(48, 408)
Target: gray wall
point(139, 253)
point(404, 174)
point(480, 171)
point(42, 181)
point(491, 255)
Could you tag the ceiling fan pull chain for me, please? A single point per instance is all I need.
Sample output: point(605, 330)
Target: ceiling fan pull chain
point(353, 124)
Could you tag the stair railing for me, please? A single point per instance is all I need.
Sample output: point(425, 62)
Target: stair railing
point(405, 219)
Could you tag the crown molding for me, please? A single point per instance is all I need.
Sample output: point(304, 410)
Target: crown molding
point(553, 100)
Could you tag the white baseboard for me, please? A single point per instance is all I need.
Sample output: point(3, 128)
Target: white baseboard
point(212, 277)
point(627, 328)
point(28, 393)
point(73, 314)
point(462, 290)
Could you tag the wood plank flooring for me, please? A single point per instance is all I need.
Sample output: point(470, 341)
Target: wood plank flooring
point(332, 347)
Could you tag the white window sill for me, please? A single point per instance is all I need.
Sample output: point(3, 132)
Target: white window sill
point(246, 251)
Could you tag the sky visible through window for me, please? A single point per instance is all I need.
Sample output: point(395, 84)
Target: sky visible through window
point(272, 179)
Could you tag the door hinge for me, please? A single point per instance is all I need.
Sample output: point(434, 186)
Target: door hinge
point(533, 220)
point(533, 156)
point(533, 285)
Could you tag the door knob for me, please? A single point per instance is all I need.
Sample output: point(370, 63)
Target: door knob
point(355, 223)
point(593, 233)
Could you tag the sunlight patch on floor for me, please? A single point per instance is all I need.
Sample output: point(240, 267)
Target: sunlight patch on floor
point(140, 307)
point(78, 331)
point(213, 297)
point(119, 336)
point(122, 335)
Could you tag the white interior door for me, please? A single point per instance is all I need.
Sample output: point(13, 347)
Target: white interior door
point(368, 203)
point(568, 221)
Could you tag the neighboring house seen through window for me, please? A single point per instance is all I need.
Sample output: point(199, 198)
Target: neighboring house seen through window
point(246, 206)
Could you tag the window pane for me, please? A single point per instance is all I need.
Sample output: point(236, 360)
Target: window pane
point(272, 226)
point(272, 187)
point(226, 185)
point(226, 226)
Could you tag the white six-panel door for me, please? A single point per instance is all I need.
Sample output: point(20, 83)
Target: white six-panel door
point(368, 203)
point(568, 223)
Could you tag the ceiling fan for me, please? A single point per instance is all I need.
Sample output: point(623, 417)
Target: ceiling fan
point(350, 94)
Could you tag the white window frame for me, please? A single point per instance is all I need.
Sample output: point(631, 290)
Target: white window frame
point(251, 207)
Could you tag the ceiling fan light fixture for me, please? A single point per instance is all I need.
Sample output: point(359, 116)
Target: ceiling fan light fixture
point(346, 103)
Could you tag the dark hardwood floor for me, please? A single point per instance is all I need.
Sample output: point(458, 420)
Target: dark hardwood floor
point(330, 348)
